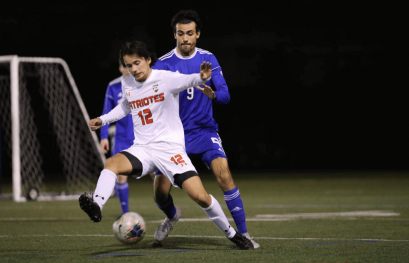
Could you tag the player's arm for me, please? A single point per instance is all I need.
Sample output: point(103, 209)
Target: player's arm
point(221, 95)
point(181, 82)
point(117, 113)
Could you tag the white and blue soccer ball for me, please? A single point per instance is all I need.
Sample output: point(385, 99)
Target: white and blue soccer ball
point(129, 228)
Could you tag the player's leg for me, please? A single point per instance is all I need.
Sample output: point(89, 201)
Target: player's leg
point(162, 195)
point(118, 164)
point(164, 202)
point(122, 191)
point(214, 157)
point(194, 188)
point(221, 170)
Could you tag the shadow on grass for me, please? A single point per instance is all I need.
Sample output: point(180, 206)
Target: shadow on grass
point(170, 245)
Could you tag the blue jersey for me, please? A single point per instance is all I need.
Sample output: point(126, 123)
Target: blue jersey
point(124, 135)
point(195, 108)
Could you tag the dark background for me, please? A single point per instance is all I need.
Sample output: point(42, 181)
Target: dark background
point(314, 85)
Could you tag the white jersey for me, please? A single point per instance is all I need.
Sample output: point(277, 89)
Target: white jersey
point(154, 105)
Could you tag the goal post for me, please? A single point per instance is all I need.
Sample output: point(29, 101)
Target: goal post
point(45, 134)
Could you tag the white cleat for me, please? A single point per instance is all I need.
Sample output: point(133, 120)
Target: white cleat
point(256, 245)
point(167, 225)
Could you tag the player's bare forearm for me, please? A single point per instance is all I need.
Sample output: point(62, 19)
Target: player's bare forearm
point(95, 124)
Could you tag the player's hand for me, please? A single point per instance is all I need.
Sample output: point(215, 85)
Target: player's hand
point(105, 145)
point(205, 70)
point(207, 91)
point(95, 124)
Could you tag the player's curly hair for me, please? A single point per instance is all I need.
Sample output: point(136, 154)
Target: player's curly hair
point(185, 17)
point(139, 48)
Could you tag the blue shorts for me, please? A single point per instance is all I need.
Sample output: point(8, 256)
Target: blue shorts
point(208, 146)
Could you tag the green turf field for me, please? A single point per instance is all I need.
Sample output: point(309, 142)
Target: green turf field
point(294, 216)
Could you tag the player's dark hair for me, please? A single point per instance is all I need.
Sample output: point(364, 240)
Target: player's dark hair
point(185, 17)
point(139, 48)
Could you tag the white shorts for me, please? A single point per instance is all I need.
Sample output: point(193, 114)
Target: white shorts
point(170, 159)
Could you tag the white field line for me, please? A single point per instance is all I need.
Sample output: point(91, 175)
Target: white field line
point(257, 218)
point(331, 214)
point(362, 206)
point(220, 237)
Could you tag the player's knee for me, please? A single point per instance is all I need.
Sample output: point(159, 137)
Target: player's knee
point(110, 164)
point(223, 176)
point(202, 199)
point(220, 167)
point(226, 183)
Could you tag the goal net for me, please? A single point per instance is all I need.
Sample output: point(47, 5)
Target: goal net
point(47, 149)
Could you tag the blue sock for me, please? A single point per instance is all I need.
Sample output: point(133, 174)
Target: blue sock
point(236, 209)
point(122, 191)
point(168, 208)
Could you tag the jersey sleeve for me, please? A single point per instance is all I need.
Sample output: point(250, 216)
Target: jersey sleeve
point(117, 113)
point(179, 82)
point(109, 104)
point(219, 83)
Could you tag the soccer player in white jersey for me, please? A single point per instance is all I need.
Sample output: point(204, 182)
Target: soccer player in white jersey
point(123, 136)
point(151, 96)
point(201, 130)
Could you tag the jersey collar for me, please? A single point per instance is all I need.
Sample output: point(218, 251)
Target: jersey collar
point(185, 57)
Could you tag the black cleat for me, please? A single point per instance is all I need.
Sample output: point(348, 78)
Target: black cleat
point(242, 242)
point(92, 209)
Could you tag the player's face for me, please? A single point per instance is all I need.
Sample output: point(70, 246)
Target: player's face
point(186, 38)
point(138, 67)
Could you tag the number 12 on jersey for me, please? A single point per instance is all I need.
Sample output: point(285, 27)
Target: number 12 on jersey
point(146, 116)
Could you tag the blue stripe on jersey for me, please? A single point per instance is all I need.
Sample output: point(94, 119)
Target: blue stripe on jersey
point(168, 55)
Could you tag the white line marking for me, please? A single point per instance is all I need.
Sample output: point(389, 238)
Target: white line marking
point(331, 214)
point(378, 206)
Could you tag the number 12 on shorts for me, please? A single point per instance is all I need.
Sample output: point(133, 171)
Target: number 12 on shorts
point(177, 159)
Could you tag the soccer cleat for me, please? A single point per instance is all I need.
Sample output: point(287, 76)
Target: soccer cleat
point(242, 242)
point(92, 209)
point(167, 225)
point(255, 244)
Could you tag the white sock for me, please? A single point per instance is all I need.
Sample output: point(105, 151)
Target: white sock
point(217, 216)
point(105, 185)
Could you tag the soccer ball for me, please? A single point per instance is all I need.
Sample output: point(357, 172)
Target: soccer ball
point(129, 228)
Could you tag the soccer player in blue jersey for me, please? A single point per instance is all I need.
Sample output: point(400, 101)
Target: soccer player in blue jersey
point(201, 130)
point(123, 137)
